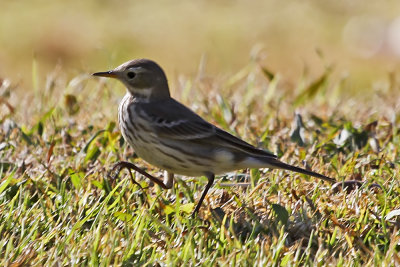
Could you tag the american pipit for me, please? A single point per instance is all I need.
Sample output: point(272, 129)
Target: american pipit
point(170, 136)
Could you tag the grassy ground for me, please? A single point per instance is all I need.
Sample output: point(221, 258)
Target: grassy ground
point(328, 101)
point(58, 142)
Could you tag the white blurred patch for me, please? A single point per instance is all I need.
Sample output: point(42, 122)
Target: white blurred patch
point(394, 36)
point(364, 36)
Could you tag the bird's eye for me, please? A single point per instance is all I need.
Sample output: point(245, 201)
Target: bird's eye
point(131, 75)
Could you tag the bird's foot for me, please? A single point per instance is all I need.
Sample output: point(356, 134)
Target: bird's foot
point(113, 174)
point(117, 168)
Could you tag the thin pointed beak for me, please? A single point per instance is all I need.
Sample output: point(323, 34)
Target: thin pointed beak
point(109, 74)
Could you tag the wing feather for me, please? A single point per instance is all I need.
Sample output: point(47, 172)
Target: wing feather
point(180, 123)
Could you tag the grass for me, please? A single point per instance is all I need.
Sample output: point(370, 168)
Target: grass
point(57, 206)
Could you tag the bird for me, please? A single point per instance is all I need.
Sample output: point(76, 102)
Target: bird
point(170, 136)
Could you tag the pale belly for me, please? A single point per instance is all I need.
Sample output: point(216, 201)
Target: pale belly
point(168, 159)
point(191, 164)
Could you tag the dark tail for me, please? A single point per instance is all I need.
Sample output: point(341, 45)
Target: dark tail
point(281, 165)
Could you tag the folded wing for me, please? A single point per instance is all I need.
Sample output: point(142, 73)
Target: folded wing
point(180, 123)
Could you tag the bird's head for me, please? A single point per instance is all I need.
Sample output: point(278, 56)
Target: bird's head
point(142, 77)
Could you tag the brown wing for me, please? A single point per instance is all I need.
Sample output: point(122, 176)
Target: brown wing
point(172, 120)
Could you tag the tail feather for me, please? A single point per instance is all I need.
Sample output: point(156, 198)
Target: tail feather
point(281, 165)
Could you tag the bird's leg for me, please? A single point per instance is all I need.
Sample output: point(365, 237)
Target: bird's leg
point(125, 164)
point(210, 177)
point(168, 179)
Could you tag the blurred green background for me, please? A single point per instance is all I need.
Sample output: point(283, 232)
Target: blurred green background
point(360, 38)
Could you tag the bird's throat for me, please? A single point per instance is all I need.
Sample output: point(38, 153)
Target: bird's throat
point(141, 95)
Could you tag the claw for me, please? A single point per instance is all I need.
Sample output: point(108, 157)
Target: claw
point(130, 166)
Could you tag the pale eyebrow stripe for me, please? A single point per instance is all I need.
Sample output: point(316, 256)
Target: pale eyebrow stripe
point(137, 69)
